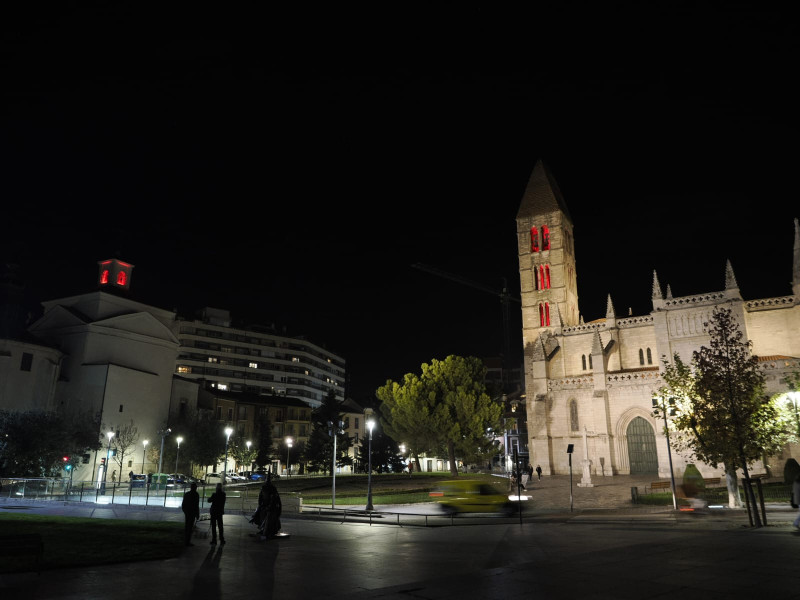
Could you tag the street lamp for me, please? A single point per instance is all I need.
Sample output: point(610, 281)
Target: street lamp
point(179, 439)
point(288, 447)
point(248, 456)
point(163, 433)
point(144, 453)
point(370, 425)
point(664, 408)
point(228, 432)
point(110, 435)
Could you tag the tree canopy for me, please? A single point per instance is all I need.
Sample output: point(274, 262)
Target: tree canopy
point(446, 406)
point(723, 415)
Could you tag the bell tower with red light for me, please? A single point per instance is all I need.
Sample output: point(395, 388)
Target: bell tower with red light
point(114, 274)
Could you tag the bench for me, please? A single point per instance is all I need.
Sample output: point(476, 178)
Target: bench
point(658, 485)
point(711, 480)
point(23, 544)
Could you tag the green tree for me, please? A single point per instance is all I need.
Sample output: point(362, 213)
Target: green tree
point(325, 419)
point(124, 442)
point(386, 457)
point(447, 405)
point(263, 440)
point(204, 439)
point(723, 415)
point(242, 455)
point(34, 443)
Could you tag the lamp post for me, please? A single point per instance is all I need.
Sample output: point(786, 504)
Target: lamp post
point(177, 453)
point(250, 467)
point(163, 433)
point(663, 407)
point(288, 447)
point(110, 435)
point(144, 452)
point(370, 425)
point(228, 432)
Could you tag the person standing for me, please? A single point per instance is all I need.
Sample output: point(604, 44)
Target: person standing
point(539, 472)
point(217, 502)
point(796, 498)
point(191, 512)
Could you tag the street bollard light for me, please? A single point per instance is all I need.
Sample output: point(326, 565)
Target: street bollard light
point(179, 439)
point(288, 447)
point(228, 432)
point(144, 453)
point(110, 435)
point(370, 425)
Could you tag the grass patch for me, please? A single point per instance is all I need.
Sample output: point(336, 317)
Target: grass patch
point(78, 541)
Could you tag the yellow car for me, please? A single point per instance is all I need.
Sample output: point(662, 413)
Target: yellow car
point(471, 496)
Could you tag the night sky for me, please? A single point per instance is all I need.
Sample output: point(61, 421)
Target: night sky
point(290, 165)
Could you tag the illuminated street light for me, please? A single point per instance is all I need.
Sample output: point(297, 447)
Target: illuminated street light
point(288, 447)
point(163, 433)
point(370, 425)
point(667, 407)
point(110, 435)
point(248, 456)
point(179, 440)
point(144, 453)
point(228, 432)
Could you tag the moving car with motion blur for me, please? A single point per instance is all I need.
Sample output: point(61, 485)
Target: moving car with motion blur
point(472, 496)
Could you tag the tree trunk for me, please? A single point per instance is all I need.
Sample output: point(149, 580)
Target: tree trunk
point(451, 456)
point(733, 486)
point(751, 496)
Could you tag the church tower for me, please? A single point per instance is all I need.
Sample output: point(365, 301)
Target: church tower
point(546, 258)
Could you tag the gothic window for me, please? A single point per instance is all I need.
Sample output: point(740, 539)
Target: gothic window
point(649, 357)
point(104, 277)
point(573, 415)
point(641, 356)
point(536, 284)
point(544, 314)
point(545, 238)
point(583, 362)
point(546, 277)
point(590, 362)
point(121, 277)
point(534, 239)
point(547, 312)
point(541, 315)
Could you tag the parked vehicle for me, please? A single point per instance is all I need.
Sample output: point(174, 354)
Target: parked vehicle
point(139, 480)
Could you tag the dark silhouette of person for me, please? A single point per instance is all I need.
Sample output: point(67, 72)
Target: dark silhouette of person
point(191, 512)
point(217, 502)
point(539, 472)
point(272, 523)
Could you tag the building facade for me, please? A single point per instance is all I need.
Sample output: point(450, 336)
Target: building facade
point(591, 384)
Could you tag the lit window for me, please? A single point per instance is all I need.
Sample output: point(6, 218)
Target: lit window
point(104, 277)
point(184, 369)
point(545, 238)
point(544, 314)
point(253, 365)
point(534, 239)
point(121, 278)
point(222, 386)
point(547, 277)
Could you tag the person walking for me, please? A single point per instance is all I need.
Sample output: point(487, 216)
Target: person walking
point(539, 472)
point(114, 476)
point(217, 502)
point(191, 512)
point(796, 500)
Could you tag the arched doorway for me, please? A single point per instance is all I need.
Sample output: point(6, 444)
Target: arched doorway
point(642, 447)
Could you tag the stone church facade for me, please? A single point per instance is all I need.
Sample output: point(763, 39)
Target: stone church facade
point(591, 384)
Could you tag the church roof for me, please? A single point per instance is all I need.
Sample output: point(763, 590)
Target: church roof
point(542, 194)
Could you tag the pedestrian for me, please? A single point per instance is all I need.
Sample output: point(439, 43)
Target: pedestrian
point(217, 502)
point(539, 472)
point(191, 512)
point(272, 520)
point(512, 481)
point(796, 500)
point(113, 476)
point(410, 467)
point(130, 475)
point(530, 471)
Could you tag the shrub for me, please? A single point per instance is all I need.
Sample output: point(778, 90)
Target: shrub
point(692, 481)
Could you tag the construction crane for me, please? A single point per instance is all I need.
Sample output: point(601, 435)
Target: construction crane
point(503, 294)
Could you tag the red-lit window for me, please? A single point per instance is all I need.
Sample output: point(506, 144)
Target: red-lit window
point(546, 278)
point(534, 239)
point(544, 314)
point(104, 277)
point(121, 277)
point(545, 238)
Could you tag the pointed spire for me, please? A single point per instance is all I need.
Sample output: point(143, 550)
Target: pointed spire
point(609, 308)
point(542, 194)
point(730, 278)
point(582, 323)
point(669, 292)
point(657, 295)
point(597, 343)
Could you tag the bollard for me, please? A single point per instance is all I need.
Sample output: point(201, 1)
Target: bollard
point(635, 495)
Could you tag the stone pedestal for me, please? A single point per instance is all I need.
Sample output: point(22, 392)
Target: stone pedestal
point(586, 478)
